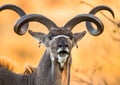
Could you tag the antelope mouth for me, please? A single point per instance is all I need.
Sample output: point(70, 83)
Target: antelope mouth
point(63, 53)
point(62, 57)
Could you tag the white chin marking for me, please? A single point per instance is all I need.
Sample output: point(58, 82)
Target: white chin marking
point(61, 65)
point(62, 59)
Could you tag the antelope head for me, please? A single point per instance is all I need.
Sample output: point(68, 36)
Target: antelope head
point(60, 40)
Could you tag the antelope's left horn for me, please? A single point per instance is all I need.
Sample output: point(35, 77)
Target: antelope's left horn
point(94, 11)
point(86, 17)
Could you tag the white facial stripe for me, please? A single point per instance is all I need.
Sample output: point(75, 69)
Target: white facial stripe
point(60, 49)
point(60, 36)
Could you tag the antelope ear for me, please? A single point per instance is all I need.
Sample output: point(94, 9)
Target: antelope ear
point(39, 36)
point(79, 36)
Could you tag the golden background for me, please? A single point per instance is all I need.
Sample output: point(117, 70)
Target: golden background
point(95, 62)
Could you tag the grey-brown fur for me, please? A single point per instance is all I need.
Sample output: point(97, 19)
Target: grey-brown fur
point(57, 56)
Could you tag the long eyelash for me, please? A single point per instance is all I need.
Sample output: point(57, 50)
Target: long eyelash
point(76, 43)
point(39, 44)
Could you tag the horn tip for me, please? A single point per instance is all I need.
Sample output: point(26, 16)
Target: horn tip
point(31, 32)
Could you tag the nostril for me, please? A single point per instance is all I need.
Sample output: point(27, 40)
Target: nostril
point(59, 46)
point(66, 45)
point(63, 46)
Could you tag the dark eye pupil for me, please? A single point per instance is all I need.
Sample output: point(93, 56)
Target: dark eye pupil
point(50, 37)
point(71, 38)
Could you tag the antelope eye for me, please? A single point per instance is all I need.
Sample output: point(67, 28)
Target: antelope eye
point(50, 37)
point(71, 38)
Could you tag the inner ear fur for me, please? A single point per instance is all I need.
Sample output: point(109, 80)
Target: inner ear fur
point(78, 36)
point(39, 36)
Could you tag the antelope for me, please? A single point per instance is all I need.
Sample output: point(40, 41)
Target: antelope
point(96, 9)
point(57, 58)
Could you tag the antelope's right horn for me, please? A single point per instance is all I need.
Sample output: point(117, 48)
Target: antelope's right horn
point(20, 12)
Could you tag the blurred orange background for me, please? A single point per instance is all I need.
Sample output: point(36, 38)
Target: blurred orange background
point(95, 62)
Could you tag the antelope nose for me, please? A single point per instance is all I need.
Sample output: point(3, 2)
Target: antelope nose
point(63, 46)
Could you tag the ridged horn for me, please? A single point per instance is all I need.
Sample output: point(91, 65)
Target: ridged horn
point(20, 12)
point(35, 17)
point(86, 17)
point(94, 11)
